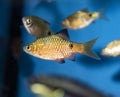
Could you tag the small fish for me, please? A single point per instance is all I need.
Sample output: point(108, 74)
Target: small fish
point(112, 49)
point(58, 47)
point(36, 26)
point(45, 91)
point(81, 19)
point(39, 84)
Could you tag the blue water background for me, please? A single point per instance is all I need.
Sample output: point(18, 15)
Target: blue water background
point(104, 74)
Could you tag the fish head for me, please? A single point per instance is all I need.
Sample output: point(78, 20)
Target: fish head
point(31, 49)
point(27, 21)
point(34, 48)
point(94, 15)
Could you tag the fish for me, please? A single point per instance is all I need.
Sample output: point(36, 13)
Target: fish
point(112, 49)
point(82, 19)
point(45, 91)
point(36, 26)
point(57, 47)
point(70, 86)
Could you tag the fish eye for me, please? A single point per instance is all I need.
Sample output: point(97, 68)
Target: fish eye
point(90, 15)
point(49, 33)
point(28, 47)
point(71, 46)
point(28, 21)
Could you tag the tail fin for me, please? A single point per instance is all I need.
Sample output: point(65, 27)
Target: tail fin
point(102, 15)
point(87, 49)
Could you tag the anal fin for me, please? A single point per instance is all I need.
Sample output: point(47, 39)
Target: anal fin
point(61, 61)
point(72, 57)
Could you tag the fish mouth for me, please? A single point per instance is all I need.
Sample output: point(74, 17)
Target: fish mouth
point(24, 49)
point(23, 20)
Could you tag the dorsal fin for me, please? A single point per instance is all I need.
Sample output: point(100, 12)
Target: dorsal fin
point(46, 22)
point(63, 34)
point(85, 10)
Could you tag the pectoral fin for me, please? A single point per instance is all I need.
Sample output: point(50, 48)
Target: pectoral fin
point(63, 34)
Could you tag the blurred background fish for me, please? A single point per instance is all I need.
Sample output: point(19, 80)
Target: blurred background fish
point(71, 87)
point(112, 49)
point(81, 19)
point(46, 91)
point(36, 26)
point(58, 47)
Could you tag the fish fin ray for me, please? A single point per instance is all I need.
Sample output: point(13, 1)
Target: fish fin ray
point(63, 34)
point(102, 15)
point(87, 49)
point(46, 22)
point(72, 57)
point(85, 9)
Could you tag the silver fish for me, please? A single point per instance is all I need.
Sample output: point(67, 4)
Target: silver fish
point(36, 26)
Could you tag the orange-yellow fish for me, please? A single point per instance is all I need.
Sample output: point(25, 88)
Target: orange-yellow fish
point(58, 47)
point(81, 19)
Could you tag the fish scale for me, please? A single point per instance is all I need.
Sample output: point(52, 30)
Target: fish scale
point(58, 47)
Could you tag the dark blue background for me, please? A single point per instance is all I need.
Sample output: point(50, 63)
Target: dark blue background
point(103, 75)
point(4, 25)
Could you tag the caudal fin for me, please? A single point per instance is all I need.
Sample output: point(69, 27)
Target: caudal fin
point(102, 15)
point(87, 49)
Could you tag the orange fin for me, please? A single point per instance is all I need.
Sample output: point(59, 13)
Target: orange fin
point(63, 34)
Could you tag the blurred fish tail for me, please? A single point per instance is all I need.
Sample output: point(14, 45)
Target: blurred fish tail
point(87, 49)
point(102, 14)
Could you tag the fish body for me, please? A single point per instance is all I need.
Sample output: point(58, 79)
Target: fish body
point(45, 91)
point(36, 26)
point(80, 19)
point(70, 86)
point(58, 47)
point(112, 49)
